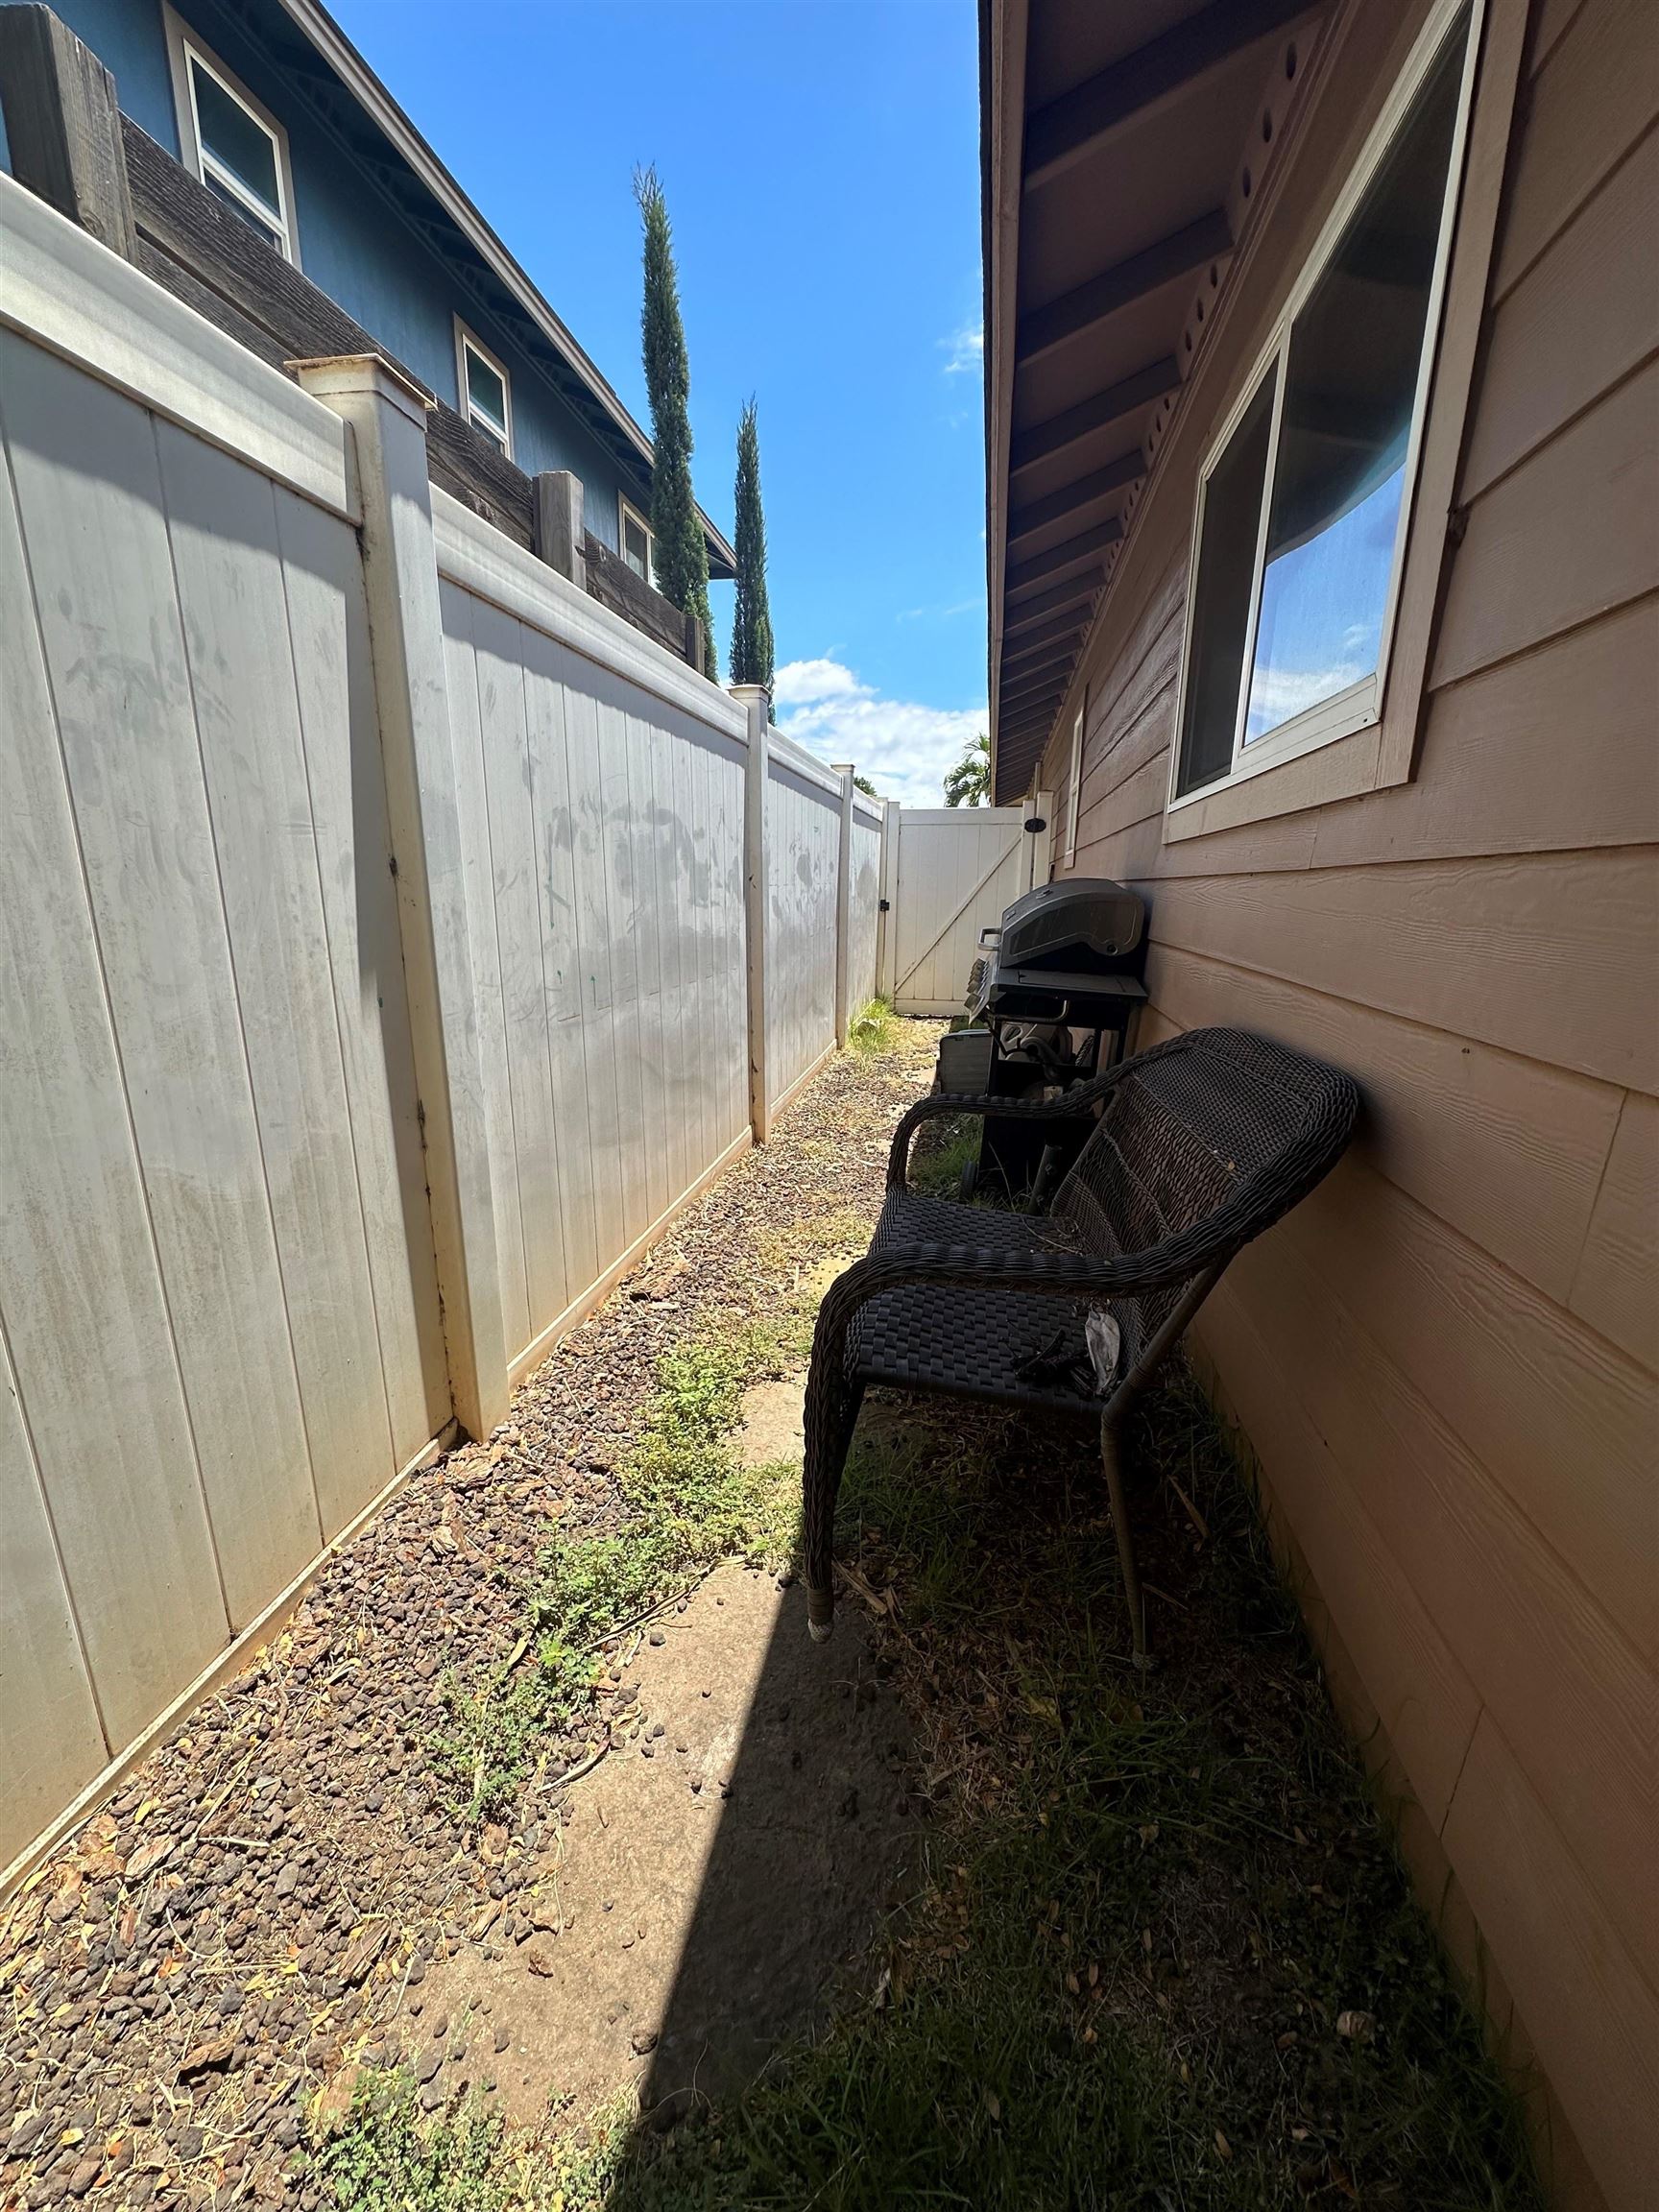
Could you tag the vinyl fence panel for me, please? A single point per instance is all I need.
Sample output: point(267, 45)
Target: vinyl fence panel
point(219, 1337)
point(600, 785)
point(864, 910)
point(802, 860)
point(265, 863)
point(958, 869)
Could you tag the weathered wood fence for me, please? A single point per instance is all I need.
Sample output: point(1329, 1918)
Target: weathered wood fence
point(391, 938)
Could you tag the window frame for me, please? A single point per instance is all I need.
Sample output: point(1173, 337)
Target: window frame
point(1075, 806)
point(625, 508)
point(1359, 711)
point(467, 341)
point(185, 46)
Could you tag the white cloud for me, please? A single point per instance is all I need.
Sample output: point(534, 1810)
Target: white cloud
point(904, 747)
point(975, 606)
point(802, 682)
point(965, 351)
point(1276, 694)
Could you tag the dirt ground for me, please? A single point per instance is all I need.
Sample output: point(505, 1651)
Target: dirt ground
point(664, 1955)
point(282, 1890)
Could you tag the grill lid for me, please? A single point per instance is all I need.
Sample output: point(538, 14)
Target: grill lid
point(1084, 915)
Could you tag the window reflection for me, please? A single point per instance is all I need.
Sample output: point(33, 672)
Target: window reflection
point(1351, 381)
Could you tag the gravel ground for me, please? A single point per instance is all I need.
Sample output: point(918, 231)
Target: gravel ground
point(260, 1903)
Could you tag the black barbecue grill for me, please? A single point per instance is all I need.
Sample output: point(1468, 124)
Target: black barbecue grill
point(1048, 1004)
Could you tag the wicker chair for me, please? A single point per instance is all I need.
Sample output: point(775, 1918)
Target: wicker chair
point(1200, 1144)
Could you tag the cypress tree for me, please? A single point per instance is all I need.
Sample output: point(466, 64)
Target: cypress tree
point(682, 553)
point(751, 655)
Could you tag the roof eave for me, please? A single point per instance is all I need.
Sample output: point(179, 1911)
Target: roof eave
point(1001, 148)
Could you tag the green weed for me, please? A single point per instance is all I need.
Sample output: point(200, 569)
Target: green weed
point(688, 1504)
point(872, 1031)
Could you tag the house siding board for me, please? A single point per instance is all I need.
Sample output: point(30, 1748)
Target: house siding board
point(1445, 1360)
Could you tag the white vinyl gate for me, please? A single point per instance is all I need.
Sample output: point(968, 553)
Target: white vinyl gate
point(953, 872)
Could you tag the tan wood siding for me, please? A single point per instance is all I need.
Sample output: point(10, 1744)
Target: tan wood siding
point(1446, 1360)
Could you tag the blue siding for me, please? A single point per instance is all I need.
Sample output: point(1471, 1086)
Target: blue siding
point(353, 244)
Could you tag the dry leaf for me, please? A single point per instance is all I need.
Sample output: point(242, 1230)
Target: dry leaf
point(147, 1858)
point(1357, 2027)
point(1222, 2145)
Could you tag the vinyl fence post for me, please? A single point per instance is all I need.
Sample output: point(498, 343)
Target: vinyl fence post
point(844, 909)
point(388, 419)
point(558, 524)
point(62, 125)
point(754, 697)
point(886, 915)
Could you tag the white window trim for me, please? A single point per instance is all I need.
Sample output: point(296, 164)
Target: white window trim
point(468, 341)
point(625, 508)
point(184, 46)
point(1360, 706)
point(1075, 808)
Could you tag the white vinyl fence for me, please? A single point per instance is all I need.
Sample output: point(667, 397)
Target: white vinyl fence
point(804, 809)
point(219, 1315)
point(602, 832)
point(956, 870)
point(391, 939)
point(863, 938)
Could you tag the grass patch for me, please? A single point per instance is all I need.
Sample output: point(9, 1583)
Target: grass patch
point(1163, 1952)
point(872, 1029)
point(388, 2157)
point(941, 1152)
point(688, 1504)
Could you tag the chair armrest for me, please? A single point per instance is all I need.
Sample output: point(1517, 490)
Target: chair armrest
point(1075, 1106)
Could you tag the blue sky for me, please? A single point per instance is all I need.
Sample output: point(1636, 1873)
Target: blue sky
point(821, 163)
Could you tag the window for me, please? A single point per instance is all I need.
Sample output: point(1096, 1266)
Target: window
point(234, 144)
point(485, 394)
point(1304, 503)
point(639, 545)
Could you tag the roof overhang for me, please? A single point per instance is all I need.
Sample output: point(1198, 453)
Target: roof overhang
point(604, 410)
point(1119, 150)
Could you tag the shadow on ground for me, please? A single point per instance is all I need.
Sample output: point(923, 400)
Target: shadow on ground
point(1157, 1950)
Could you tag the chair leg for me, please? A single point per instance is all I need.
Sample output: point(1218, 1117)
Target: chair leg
point(831, 1415)
point(1111, 1459)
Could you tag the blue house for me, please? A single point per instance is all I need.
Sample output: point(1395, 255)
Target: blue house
point(268, 107)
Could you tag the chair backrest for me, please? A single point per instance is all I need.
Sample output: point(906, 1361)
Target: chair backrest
point(1201, 1145)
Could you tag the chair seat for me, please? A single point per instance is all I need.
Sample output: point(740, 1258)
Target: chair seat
point(1010, 1346)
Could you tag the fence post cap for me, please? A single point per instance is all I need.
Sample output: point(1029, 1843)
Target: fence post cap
point(349, 375)
point(751, 694)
